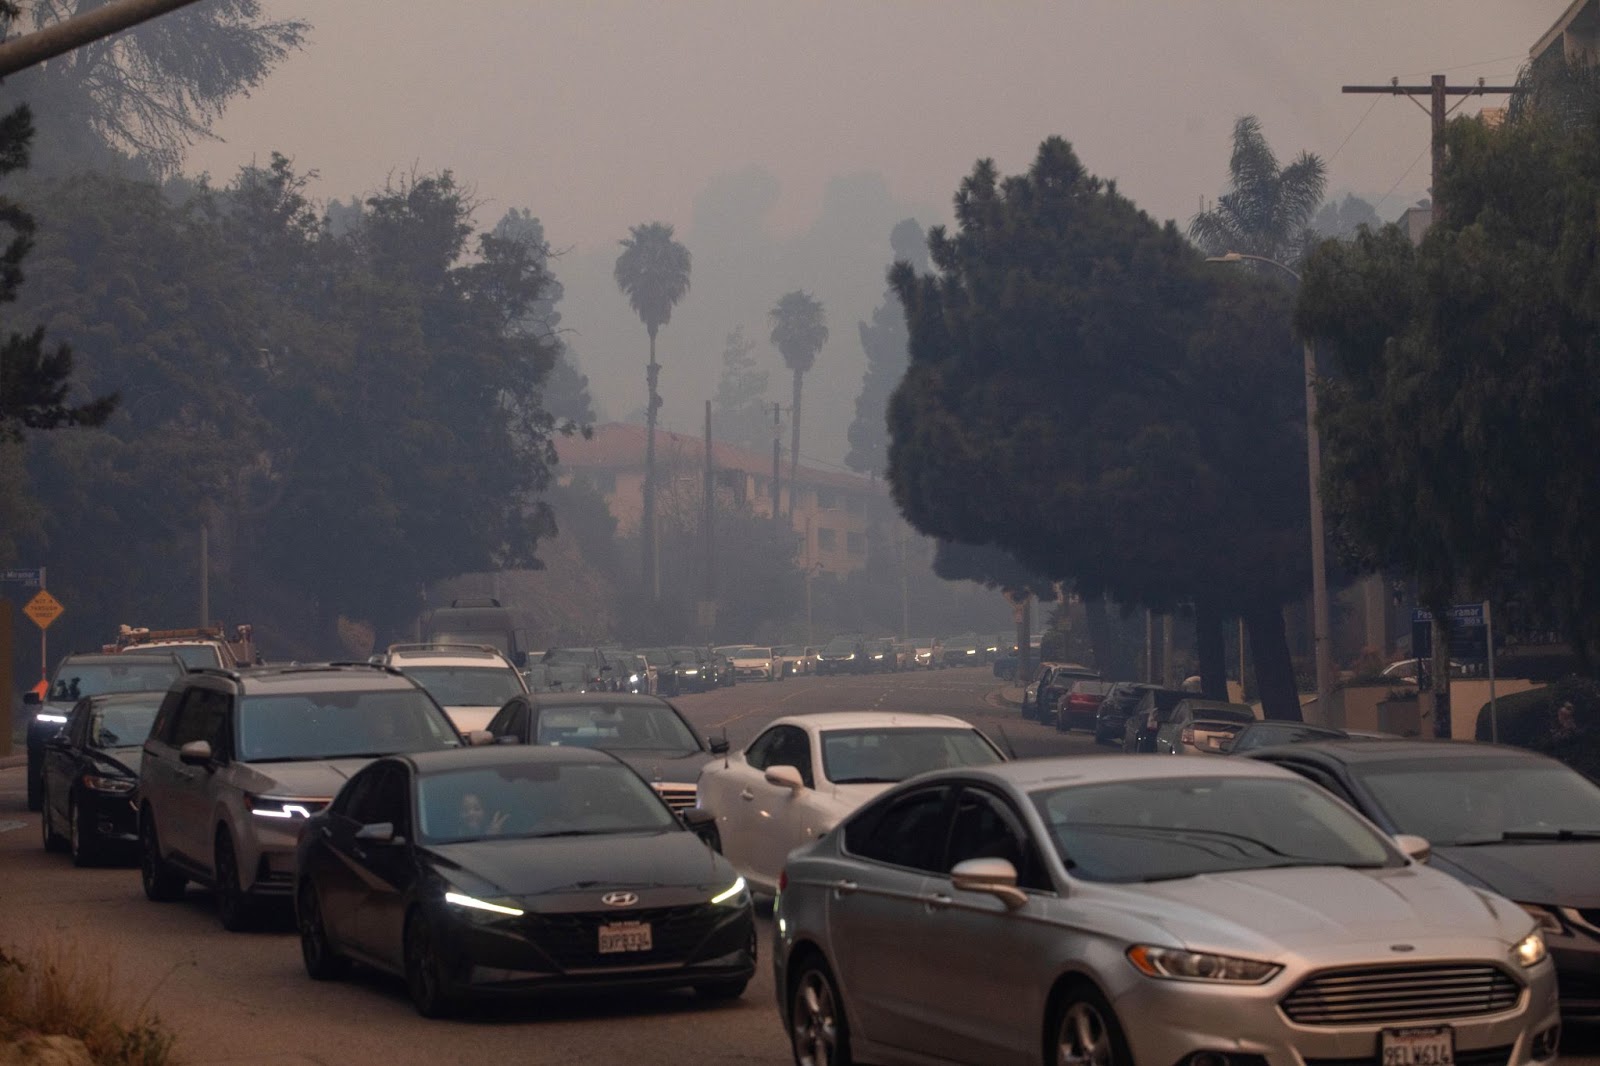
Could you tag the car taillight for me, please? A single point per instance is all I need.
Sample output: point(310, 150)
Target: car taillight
point(1078, 699)
point(1187, 736)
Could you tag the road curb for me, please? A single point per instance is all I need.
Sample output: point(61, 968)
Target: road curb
point(9, 761)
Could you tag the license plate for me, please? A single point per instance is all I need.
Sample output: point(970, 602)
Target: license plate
point(625, 936)
point(1433, 1046)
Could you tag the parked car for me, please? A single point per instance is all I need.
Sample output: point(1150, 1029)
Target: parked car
point(471, 682)
point(842, 655)
point(1257, 735)
point(82, 675)
point(1079, 706)
point(1030, 692)
point(1111, 719)
point(1053, 687)
point(91, 771)
point(646, 732)
point(236, 762)
point(804, 773)
point(517, 870)
point(1202, 727)
point(1501, 819)
point(1154, 710)
point(1117, 911)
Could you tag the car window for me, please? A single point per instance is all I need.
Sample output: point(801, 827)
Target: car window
point(789, 746)
point(909, 831)
point(78, 725)
point(537, 799)
point(759, 753)
point(391, 798)
point(984, 827)
point(204, 716)
point(337, 724)
point(874, 756)
point(358, 800)
point(121, 724)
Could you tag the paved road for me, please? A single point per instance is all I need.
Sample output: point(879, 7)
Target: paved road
point(244, 999)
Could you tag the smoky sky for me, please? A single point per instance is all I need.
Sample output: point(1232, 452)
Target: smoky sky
point(784, 140)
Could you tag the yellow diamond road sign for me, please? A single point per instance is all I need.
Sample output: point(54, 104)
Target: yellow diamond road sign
point(43, 609)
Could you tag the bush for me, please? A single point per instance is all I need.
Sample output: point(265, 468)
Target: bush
point(1528, 720)
point(56, 990)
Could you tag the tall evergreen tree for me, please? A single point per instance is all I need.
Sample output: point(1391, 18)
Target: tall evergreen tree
point(739, 412)
point(799, 330)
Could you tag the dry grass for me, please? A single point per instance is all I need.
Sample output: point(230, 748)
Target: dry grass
point(57, 989)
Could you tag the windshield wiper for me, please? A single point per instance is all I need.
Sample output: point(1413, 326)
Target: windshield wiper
point(570, 833)
point(1551, 834)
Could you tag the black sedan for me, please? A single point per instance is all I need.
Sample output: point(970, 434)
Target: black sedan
point(89, 774)
point(514, 870)
point(645, 732)
point(1511, 821)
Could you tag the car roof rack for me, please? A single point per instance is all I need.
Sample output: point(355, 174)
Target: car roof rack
point(428, 646)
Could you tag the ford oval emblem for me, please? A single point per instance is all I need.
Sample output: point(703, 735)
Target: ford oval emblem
point(619, 899)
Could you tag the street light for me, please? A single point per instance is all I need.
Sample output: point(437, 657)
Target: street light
point(1321, 649)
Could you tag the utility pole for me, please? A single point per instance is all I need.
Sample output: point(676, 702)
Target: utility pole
point(205, 576)
point(1438, 90)
point(25, 51)
point(710, 525)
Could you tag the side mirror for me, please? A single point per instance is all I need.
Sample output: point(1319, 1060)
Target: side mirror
point(31, 699)
point(717, 745)
point(785, 777)
point(478, 738)
point(378, 833)
point(1414, 847)
point(996, 877)
point(195, 753)
point(60, 741)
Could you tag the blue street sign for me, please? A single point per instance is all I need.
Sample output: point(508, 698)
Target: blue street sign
point(28, 576)
point(1464, 615)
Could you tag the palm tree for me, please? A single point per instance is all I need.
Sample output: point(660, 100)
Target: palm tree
point(1268, 208)
point(653, 272)
point(799, 330)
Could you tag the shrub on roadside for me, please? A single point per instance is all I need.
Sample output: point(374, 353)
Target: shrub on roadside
point(56, 990)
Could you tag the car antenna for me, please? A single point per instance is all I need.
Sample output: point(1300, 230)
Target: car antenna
point(1010, 750)
point(725, 747)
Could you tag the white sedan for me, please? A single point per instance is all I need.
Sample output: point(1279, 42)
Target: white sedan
point(805, 773)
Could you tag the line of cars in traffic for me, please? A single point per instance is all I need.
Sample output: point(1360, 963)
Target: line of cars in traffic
point(935, 901)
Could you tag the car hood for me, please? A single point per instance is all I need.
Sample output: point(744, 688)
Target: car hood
point(1555, 874)
point(310, 780)
point(559, 865)
point(1313, 909)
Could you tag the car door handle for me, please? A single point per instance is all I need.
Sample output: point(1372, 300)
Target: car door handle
point(843, 888)
point(937, 902)
point(327, 833)
point(747, 795)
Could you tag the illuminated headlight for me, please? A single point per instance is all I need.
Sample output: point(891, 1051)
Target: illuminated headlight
point(115, 785)
point(692, 671)
point(852, 655)
point(1179, 965)
point(633, 679)
point(972, 651)
point(50, 719)
point(735, 894)
point(280, 808)
point(1546, 920)
point(472, 903)
point(1530, 950)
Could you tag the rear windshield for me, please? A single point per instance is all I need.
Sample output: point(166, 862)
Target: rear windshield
point(332, 725)
point(467, 686)
point(136, 674)
point(875, 756)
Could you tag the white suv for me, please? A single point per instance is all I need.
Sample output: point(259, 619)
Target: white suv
point(470, 681)
point(237, 761)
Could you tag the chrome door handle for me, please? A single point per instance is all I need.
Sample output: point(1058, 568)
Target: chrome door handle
point(843, 888)
point(747, 795)
point(938, 902)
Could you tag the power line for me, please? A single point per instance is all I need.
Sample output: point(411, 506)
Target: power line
point(1402, 177)
point(1465, 66)
point(1352, 132)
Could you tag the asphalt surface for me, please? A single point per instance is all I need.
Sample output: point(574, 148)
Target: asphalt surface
point(245, 999)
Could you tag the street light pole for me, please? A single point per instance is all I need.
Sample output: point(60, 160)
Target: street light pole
point(1322, 650)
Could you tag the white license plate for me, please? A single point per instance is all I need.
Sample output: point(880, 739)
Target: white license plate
point(624, 936)
point(1433, 1046)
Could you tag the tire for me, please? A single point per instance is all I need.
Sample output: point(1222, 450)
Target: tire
point(86, 850)
point(1083, 1029)
point(721, 990)
point(162, 884)
point(322, 961)
point(53, 841)
point(235, 906)
point(819, 1035)
point(425, 979)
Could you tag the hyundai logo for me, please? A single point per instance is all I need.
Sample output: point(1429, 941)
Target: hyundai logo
point(619, 899)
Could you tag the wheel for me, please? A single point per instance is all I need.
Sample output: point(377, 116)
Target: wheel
point(85, 849)
point(722, 990)
point(424, 975)
point(162, 884)
point(53, 841)
point(1084, 1031)
point(818, 1032)
point(234, 905)
point(323, 963)
point(1063, 722)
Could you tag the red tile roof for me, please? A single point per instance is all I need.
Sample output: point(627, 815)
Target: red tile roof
point(621, 446)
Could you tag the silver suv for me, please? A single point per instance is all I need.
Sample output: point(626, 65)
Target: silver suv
point(237, 761)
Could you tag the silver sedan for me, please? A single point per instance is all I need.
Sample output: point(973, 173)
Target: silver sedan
point(1117, 910)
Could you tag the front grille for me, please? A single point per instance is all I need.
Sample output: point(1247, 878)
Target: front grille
point(1401, 994)
point(1489, 1056)
point(678, 797)
point(573, 940)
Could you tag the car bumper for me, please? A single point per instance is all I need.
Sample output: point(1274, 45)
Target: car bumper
point(270, 853)
point(763, 671)
point(1166, 1022)
point(109, 818)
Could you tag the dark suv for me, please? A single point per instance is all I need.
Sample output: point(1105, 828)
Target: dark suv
point(237, 761)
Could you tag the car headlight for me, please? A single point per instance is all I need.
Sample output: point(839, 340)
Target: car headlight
point(972, 651)
point(115, 785)
point(472, 903)
point(50, 719)
point(633, 679)
point(852, 655)
point(281, 808)
point(735, 894)
point(1545, 919)
point(692, 671)
point(1530, 950)
point(1179, 965)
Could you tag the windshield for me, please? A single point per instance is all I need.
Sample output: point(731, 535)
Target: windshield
point(498, 640)
point(570, 657)
point(467, 686)
point(137, 674)
point(685, 655)
point(1474, 801)
point(658, 657)
point(871, 756)
point(193, 655)
point(839, 645)
point(332, 725)
point(1161, 829)
point(614, 728)
point(1222, 714)
point(123, 724)
point(1269, 734)
point(753, 653)
point(537, 799)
